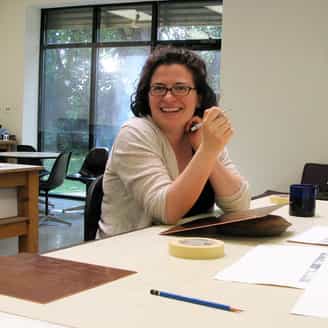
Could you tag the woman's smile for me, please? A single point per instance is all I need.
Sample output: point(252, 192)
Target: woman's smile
point(170, 109)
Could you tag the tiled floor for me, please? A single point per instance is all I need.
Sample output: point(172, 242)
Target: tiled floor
point(53, 235)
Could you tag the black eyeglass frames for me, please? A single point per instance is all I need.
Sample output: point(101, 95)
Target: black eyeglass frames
point(176, 90)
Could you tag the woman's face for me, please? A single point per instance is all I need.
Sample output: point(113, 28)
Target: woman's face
point(172, 112)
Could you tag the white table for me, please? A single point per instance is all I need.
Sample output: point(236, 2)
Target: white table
point(28, 154)
point(127, 302)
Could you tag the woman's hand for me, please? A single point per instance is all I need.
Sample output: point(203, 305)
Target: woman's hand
point(214, 133)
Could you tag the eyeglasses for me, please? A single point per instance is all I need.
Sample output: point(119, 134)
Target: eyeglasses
point(176, 90)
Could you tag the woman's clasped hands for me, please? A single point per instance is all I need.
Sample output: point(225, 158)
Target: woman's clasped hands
point(213, 134)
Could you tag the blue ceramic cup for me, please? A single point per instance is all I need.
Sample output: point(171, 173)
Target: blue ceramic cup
point(302, 200)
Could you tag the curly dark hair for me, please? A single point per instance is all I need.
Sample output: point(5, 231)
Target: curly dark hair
point(166, 56)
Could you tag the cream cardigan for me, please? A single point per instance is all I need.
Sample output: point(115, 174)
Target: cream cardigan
point(140, 168)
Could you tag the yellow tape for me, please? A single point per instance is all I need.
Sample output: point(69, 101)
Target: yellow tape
point(279, 199)
point(196, 248)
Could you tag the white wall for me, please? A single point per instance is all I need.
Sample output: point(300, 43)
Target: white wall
point(274, 77)
point(11, 65)
point(274, 72)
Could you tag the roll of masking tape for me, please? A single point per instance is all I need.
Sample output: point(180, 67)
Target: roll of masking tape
point(196, 248)
point(279, 199)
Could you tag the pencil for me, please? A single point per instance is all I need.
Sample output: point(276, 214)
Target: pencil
point(200, 124)
point(194, 301)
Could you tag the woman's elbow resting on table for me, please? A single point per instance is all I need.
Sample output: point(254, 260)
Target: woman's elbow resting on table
point(238, 202)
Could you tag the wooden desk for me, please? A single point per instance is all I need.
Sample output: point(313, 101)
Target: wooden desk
point(127, 302)
point(8, 145)
point(25, 225)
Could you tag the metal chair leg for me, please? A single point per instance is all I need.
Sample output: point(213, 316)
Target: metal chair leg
point(75, 208)
point(49, 218)
point(41, 201)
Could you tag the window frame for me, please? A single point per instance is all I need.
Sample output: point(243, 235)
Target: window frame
point(95, 45)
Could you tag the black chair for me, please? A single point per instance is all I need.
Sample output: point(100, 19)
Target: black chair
point(93, 165)
point(92, 211)
point(31, 161)
point(315, 173)
point(55, 179)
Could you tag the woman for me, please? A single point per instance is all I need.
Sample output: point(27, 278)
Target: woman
point(160, 168)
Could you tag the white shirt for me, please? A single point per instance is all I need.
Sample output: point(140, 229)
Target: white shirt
point(139, 171)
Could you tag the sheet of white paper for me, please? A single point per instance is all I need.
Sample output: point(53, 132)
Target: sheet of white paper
point(13, 321)
point(313, 302)
point(316, 235)
point(292, 266)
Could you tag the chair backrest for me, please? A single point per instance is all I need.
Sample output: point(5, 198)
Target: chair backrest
point(92, 211)
point(25, 148)
point(95, 162)
point(315, 173)
point(28, 161)
point(58, 172)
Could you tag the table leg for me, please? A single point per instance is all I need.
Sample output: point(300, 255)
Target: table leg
point(28, 207)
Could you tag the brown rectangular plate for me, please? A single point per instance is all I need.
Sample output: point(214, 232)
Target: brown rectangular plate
point(44, 279)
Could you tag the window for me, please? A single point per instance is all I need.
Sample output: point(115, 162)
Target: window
point(64, 26)
point(91, 58)
point(189, 21)
point(128, 23)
